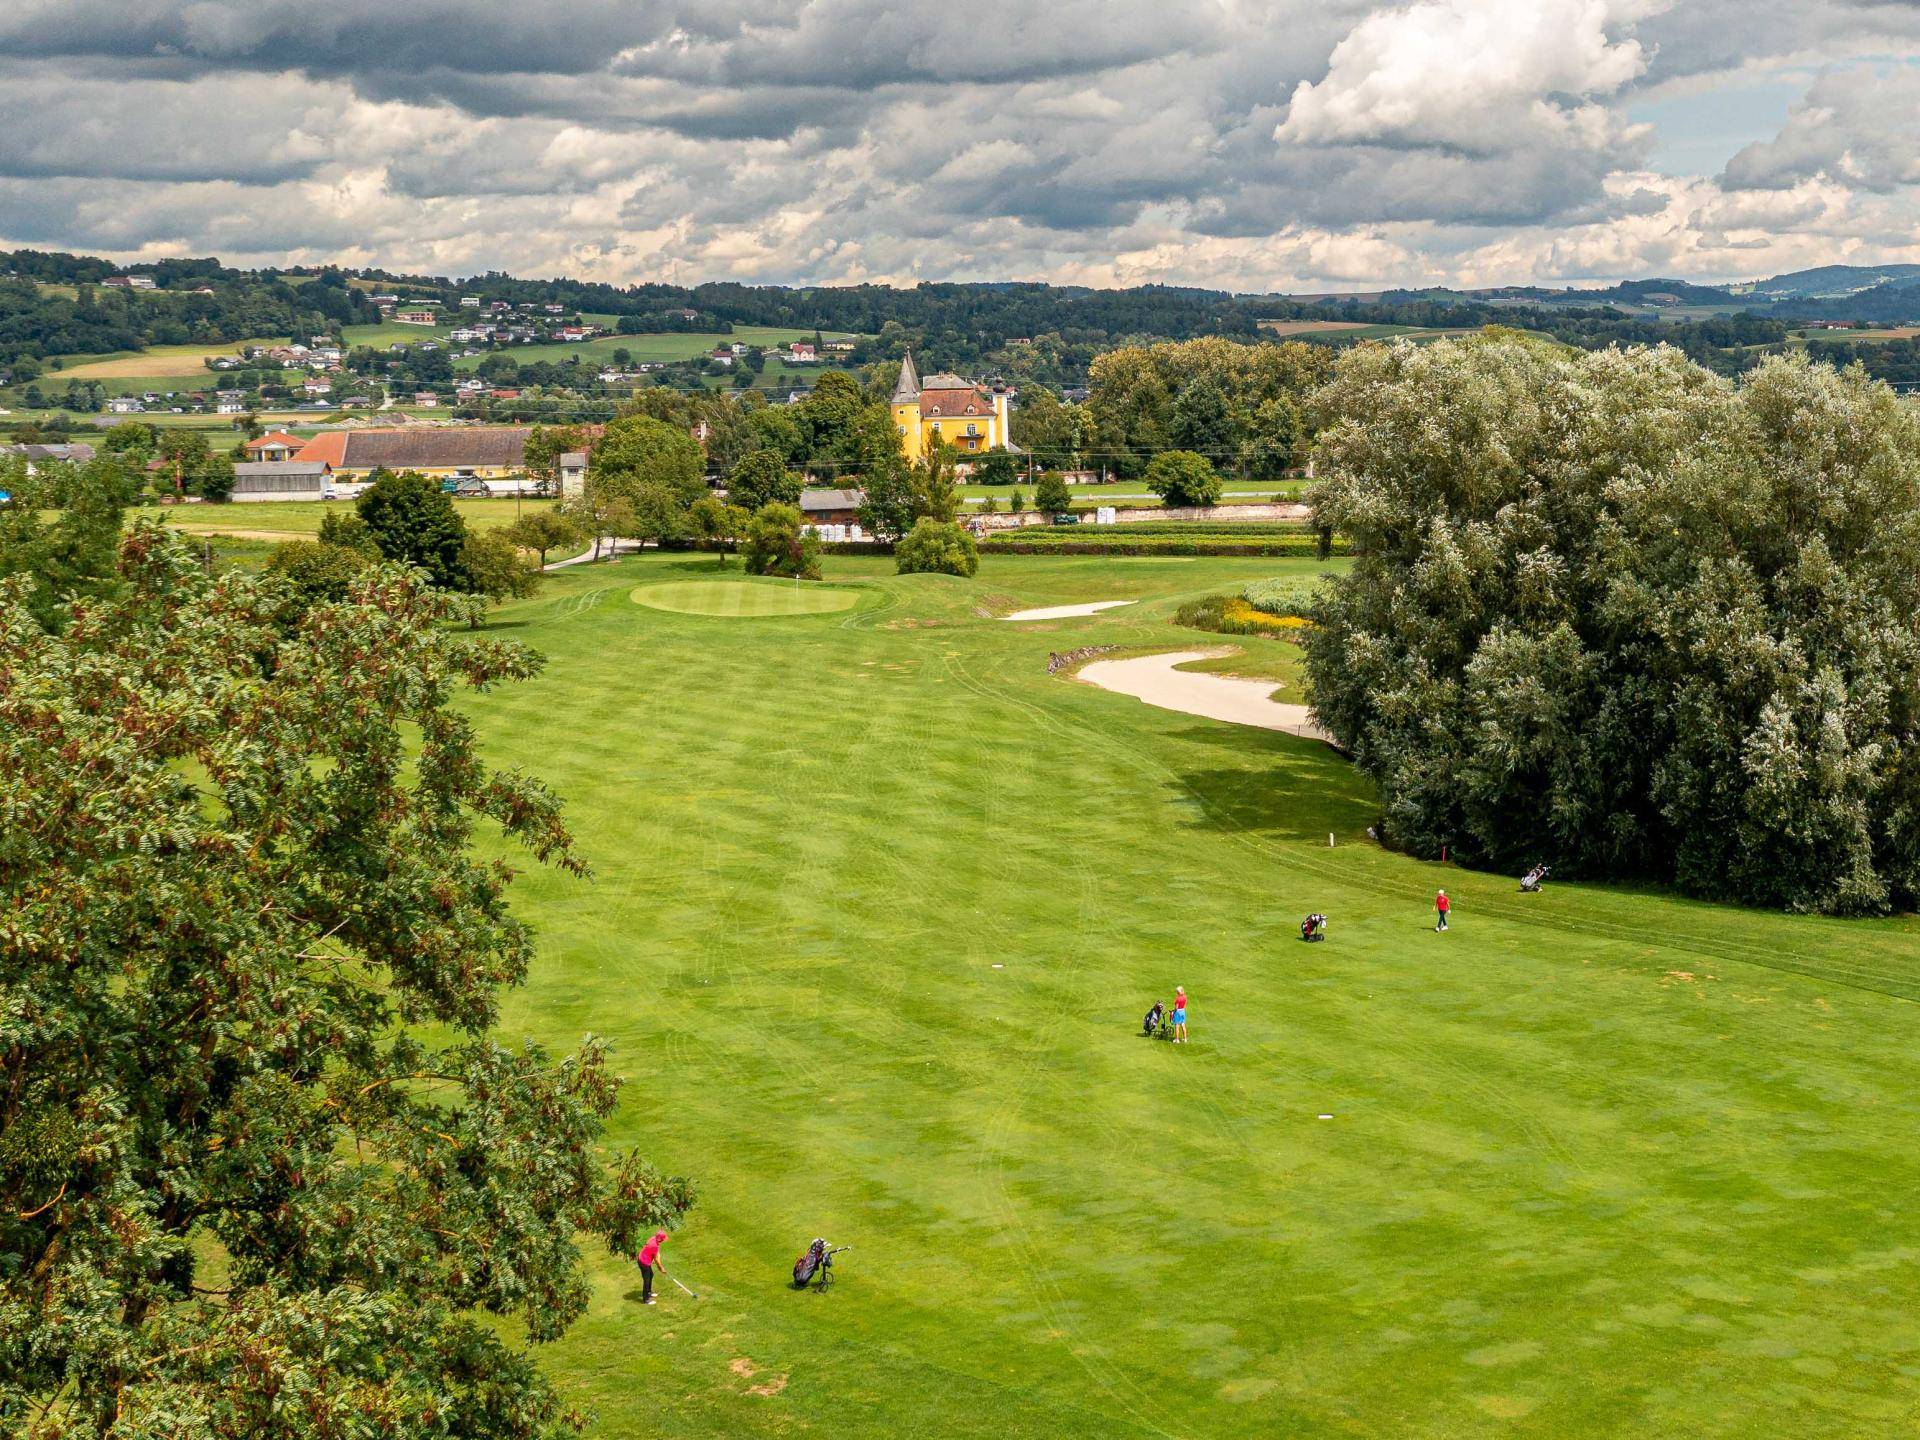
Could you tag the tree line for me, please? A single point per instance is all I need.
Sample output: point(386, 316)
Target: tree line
point(1616, 613)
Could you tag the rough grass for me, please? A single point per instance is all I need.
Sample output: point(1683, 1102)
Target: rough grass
point(1600, 1162)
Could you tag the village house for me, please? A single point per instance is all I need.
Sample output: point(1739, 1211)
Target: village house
point(415, 317)
point(38, 455)
point(125, 405)
point(801, 352)
point(469, 302)
point(721, 355)
point(962, 413)
point(317, 385)
point(426, 399)
point(275, 445)
point(129, 282)
point(831, 507)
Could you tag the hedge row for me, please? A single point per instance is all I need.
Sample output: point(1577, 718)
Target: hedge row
point(1261, 529)
point(1055, 543)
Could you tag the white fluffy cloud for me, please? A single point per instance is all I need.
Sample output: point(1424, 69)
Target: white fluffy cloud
point(1473, 76)
point(1250, 144)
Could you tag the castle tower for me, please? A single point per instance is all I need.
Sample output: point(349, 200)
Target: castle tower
point(906, 409)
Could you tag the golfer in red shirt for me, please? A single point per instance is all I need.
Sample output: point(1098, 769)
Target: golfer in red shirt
point(649, 1257)
point(1441, 905)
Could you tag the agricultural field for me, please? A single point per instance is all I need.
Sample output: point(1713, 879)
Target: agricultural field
point(162, 367)
point(877, 905)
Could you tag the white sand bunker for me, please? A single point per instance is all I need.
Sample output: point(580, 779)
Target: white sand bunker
point(1065, 612)
point(1152, 678)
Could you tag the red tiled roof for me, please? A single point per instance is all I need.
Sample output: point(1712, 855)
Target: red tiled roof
point(329, 447)
point(275, 437)
point(952, 403)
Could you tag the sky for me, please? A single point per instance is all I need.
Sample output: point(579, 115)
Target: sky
point(1295, 145)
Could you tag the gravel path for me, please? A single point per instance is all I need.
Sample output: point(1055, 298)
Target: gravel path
point(1152, 678)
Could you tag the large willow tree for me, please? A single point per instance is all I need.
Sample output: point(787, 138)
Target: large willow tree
point(1610, 611)
point(264, 1171)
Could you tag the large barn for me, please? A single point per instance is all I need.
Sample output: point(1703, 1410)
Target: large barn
point(485, 451)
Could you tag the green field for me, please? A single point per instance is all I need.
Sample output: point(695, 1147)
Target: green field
point(670, 346)
point(294, 519)
point(878, 904)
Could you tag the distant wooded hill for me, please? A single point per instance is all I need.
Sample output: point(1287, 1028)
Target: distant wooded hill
point(56, 305)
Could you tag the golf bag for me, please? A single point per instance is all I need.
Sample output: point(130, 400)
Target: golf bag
point(816, 1266)
point(1314, 927)
point(1530, 882)
point(1153, 1018)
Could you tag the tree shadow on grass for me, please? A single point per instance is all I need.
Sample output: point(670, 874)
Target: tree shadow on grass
point(1276, 784)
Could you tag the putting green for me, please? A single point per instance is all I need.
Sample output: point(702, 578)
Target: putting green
point(744, 598)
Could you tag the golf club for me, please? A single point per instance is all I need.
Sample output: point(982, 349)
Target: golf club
point(676, 1281)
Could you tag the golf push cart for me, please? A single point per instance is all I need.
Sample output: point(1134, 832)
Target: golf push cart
point(1314, 927)
point(815, 1267)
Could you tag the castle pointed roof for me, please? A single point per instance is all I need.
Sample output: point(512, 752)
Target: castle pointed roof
point(907, 392)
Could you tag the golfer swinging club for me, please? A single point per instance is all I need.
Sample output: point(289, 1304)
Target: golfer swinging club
point(649, 1257)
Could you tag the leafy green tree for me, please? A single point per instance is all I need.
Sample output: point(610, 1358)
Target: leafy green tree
point(545, 445)
point(658, 516)
point(348, 532)
point(412, 520)
point(317, 572)
point(541, 531)
point(779, 543)
point(887, 496)
point(934, 486)
point(937, 547)
point(495, 568)
point(1052, 495)
point(1202, 419)
point(996, 467)
point(718, 523)
point(68, 555)
point(1180, 477)
point(761, 477)
point(1271, 440)
point(773, 427)
point(1608, 611)
point(1046, 428)
point(600, 513)
point(988, 505)
point(1017, 502)
point(131, 440)
point(637, 450)
point(264, 1168)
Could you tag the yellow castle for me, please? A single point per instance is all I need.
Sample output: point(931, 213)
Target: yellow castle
point(966, 415)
